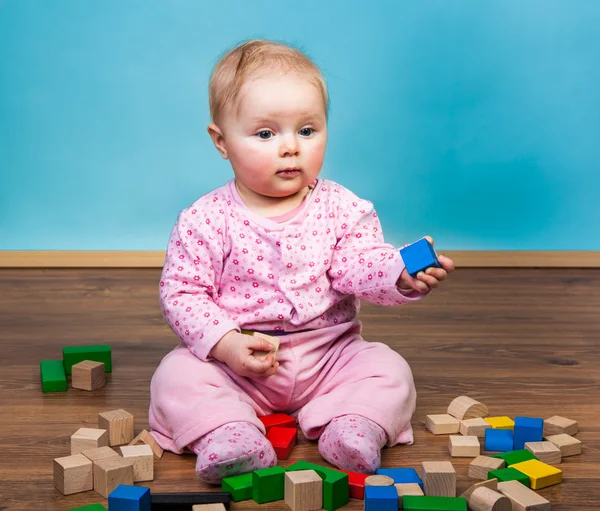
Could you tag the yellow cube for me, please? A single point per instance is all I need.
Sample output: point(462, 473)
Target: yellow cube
point(540, 474)
point(500, 422)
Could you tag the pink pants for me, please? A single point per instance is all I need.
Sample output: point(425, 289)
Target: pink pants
point(322, 374)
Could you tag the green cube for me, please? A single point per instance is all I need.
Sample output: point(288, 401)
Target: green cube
point(268, 484)
point(421, 503)
point(240, 486)
point(53, 376)
point(509, 474)
point(98, 353)
point(336, 487)
point(91, 507)
point(512, 457)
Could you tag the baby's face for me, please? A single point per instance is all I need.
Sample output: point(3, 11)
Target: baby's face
point(281, 124)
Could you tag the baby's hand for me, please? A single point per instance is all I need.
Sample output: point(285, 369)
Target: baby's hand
point(428, 279)
point(236, 350)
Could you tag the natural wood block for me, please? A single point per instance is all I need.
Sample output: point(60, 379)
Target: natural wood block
point(522, 498)
point(88, 375)
point(485, 499)
point(545, 451)
point(501, 422)
point(557, 424)
point(464, 407)
point(474, 427)
point(88, 438)
point(119, 424)
point(568, 445)
point(464, 446)
point(540, 474)
point(492, 484)
point(439, 478)
point(209, 507)
point(379, 480)
point(73, 474)
point(442, 424)
point(143, 461)
point(147, 438)
point(110, 473)
point(100, 453)
point(407, 489)
point(480, 466)
point(303, 490)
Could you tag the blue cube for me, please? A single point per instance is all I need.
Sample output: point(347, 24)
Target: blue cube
point(527, 429)
point(401, 475)
point(419, 256)
point(381, 498)
point(129, 498)
point(498, 440)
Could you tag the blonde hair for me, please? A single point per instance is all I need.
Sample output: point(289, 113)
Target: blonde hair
point(255, 58)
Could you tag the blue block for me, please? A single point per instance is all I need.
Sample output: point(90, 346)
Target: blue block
point(129, 498)
point(401, 475)
point(527, 429)
point(381, 498)
point(498, 440)
point(419, 256)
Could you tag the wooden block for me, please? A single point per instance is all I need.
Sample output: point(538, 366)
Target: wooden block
point(439, 478)
point(527, 429)
point(545, 451)
point(88, 375)
point(147, 438)
point(110, 473)
point(512, 457)
point(91, 507)
point(143, 461)
point(73, 474)
point(268, 484)
point(209, 507)
point(463, 407)
point(442, 424)
point(379, 480)
point(492, 484)
point(485, 499)
point(335, 483)
point(173, 501)
point(401, 475)
point(407, 489)
point(522, 498)
point(498, 439)
point(100, 453)
point(97, 352)
point(119, 424)
point(540, 474)
point(510, 474)
point(239, 486)
point(303, 490)
point(464, 446)
point(356, 484)
point(501, 422)
point(480, 466)
point(474, 427)
point(52, 374)
point(277, 419)
point(88, 438)
point(283, 441)
point(420, 503)
point(568, 445)
point(556, 425)
point(129, 498)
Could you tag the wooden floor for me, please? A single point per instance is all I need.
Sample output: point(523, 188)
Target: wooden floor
point(523, 341)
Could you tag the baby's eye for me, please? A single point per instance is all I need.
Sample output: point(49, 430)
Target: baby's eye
point(307, 132)
point(264, 135)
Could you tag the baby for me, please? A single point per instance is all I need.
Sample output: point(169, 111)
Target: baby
point(278, 250)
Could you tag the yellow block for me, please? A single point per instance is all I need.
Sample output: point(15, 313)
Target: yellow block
point(540, 474)
point(500, 422)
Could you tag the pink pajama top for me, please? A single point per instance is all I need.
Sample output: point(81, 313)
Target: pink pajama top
point(227, 268)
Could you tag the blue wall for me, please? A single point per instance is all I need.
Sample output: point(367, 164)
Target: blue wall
point(475, 122)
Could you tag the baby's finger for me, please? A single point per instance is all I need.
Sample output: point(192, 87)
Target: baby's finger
point(446, 262)
point(416, 284)
point(257, 365)
point(428, 279)
point(438, 273)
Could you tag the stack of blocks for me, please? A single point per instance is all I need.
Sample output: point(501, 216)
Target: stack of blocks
point(87, 364)
point(282, 432)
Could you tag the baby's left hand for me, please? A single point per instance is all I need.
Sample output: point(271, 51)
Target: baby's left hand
point(428, 279)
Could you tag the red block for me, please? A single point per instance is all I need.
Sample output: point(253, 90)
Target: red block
point(278, 419)
point(356, 484)
point(283, 440)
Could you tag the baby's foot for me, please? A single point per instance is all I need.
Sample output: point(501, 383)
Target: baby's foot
point(353, 443)
point(232, 449)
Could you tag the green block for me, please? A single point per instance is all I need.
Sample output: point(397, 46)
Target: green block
point(240, 486)
point(512, 457)
point(420, 503)
point(91, 507)
point(509, 474)
point(268, 484)
point(98, 353)
point(53, 376)
point(336, 489)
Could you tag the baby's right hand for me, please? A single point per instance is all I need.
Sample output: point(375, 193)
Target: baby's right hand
point(236, 350)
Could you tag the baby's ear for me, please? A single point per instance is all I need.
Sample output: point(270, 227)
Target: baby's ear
point(218, 139)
